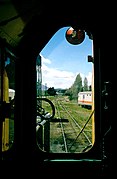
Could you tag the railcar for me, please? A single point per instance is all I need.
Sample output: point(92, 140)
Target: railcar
point(85, 98)
point(25, 29)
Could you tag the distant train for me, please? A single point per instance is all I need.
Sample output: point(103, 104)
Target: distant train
point(85, 99)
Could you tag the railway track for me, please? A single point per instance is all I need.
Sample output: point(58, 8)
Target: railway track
point(73, 135)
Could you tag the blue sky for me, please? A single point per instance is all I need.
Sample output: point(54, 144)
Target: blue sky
point(62, 61)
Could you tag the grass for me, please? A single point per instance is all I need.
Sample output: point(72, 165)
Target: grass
point(79, 113)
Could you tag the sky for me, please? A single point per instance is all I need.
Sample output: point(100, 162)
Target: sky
point(62, 61)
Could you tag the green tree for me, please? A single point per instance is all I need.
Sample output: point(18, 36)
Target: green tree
point(85, 88)
point(51, 91)
point(75, 88)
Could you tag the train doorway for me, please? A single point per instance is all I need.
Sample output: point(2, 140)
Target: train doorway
point(65, 68)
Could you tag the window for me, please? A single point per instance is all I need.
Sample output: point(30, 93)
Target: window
point(7, 95)
point(64, 70)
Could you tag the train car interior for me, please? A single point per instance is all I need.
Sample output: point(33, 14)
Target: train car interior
point(49, 52)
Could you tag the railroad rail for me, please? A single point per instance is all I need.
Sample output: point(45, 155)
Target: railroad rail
point(75, 136)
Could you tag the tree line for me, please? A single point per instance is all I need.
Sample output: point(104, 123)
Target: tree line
point(73, 91)
point(77, 87)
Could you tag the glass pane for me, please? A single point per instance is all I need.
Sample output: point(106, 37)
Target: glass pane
point(65, 78)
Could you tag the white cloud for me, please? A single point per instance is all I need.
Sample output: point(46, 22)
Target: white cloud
point(57, 78)
point(45, 60)
point(89, 78)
